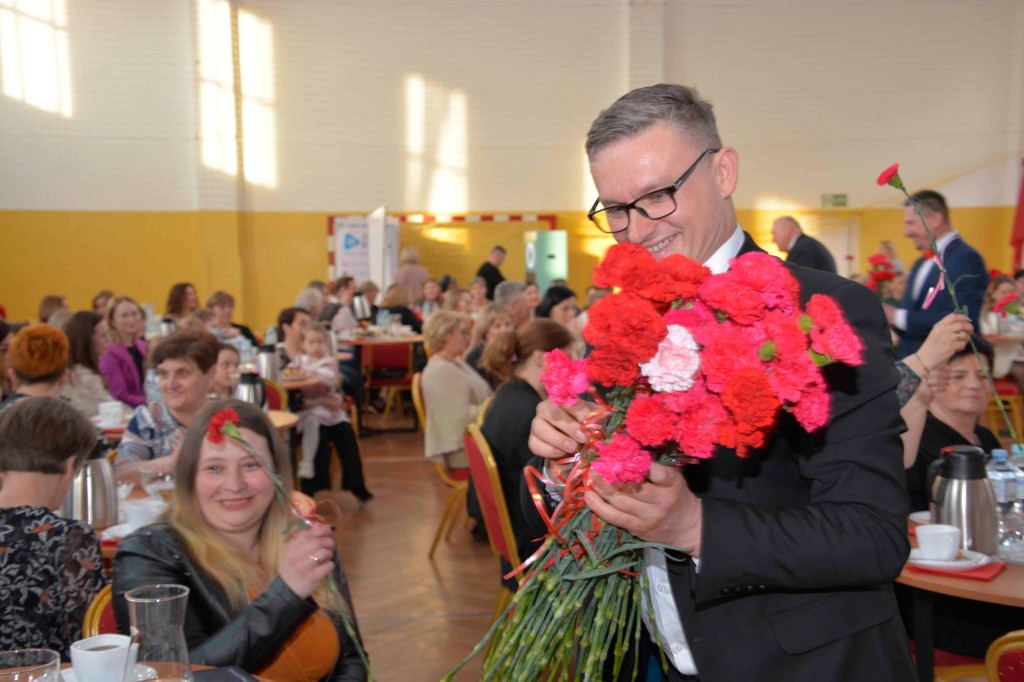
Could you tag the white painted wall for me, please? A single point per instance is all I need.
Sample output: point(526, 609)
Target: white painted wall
point(453, 105)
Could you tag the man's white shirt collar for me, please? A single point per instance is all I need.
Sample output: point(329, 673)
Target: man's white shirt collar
point(719, 261)
point(943, 241)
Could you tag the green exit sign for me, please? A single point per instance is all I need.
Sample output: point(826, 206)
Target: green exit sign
point(835, 200)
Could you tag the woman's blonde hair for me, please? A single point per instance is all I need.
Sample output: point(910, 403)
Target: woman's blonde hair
point(453, 299)
point(236, 575)
point(397, 295)
point(315, 328)
point(439, 325)
point(116, 301)
point(489, 314)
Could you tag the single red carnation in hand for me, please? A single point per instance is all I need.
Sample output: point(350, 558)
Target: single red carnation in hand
point(890, 176)
point(1006, 305)
point(648, 421)
point(626, 324)
point(609, 272)
point(621, 460)
point(831, 334)
point(215, 431)
point(881, 276)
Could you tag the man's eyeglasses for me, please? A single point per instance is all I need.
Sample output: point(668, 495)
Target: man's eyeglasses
point(654, 205)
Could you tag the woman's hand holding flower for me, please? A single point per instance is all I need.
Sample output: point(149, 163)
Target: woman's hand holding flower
point(307, 559)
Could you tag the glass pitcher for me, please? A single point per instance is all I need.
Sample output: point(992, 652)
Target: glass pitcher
point(157, 615)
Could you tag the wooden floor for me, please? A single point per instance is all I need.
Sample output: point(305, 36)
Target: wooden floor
point(419, 617)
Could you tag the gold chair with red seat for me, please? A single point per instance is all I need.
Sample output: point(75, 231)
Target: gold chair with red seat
point(388, 366)
point(487, 482)
point(99, 617)
point(1004, 662)
point(277, 397)
point(456, 479)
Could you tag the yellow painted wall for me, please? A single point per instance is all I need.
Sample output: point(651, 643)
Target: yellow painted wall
point(264, 259)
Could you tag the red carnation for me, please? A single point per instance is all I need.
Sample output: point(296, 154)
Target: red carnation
point(621, 460)
point(882, 275)
point(215, 431)
point(1005, 305)
point(611, 367)
point(609, 272)
point(686, 275)
point(813, 408)
point(626, 324)
point(696, 317)
point(891, 176)
point(879, 259)
point(649, 422)
point(754, 407)
point(767, 276)
point(697, 430)
point(739, 303)
point(831, 334)
point(729, 350)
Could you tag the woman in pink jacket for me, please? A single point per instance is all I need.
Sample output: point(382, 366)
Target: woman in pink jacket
point(123, 366)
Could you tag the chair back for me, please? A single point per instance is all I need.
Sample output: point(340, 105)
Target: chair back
point(277, 397)
point(492, 498)
point(389, 356)
point(486, 405)
point(99, 617)
point(417, 399)
point(1004, 660)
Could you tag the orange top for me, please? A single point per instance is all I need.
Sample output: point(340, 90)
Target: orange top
point(308, 655)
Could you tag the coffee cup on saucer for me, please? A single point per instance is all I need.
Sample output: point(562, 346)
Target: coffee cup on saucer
point(938, 541)
point(101, 658)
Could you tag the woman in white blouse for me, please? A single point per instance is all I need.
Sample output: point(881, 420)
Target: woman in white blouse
point(453, 392)
point(88, 338)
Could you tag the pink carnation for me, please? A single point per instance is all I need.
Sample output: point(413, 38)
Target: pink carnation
point(766, 276)
point(696, 317)
point(673, 366)
point(813, 409)
point(831, 334)
point(564, 378)
point(622, 460)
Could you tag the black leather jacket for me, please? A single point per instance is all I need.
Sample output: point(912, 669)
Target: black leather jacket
point(216, 636)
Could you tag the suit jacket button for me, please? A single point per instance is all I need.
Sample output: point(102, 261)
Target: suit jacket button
point(762, 587)
point(726, 590)
point(751, 588)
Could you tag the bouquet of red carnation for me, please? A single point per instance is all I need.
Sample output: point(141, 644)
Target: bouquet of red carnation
point(882, 271)
point(687, 362)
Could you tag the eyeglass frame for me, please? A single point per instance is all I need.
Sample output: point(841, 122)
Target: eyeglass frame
point(671, 189)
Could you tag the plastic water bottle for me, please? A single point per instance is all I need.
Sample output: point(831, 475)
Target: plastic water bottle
point(383, 318)
point(1003, 478)
point(1017, 461)
point(270, 338)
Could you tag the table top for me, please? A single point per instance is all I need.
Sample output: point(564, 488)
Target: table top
point(281, 420)
point(1009, 340)
point(194, 666)
point(114, 435)
point(298, 384)
point(1007, 588)
point(377, 340)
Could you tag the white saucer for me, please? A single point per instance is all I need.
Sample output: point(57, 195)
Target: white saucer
point(971, 559)
point(921, 517)
point(142, 672)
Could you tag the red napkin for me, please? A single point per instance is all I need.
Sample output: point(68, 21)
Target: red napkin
point(986, 572)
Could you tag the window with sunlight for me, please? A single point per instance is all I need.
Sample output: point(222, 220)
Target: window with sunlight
point(34, 57)
point(223, 31)
point(436, 147)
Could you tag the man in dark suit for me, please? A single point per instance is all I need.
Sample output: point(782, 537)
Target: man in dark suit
point(926, 299)
point(793, 550)
point(800, 248)
point(490, 272)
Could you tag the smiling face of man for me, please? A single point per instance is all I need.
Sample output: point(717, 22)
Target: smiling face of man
point(704, 217)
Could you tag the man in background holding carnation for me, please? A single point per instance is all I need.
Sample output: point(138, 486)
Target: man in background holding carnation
point(926, 300)
point(786, 557)
point(800, 248)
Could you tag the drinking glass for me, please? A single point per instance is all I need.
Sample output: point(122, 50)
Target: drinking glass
point(157, 614)
point(30, 665)
point(157, 479)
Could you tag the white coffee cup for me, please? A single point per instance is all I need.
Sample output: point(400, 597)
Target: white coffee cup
point(938, 542)
point(111, 413)
point(101, 658)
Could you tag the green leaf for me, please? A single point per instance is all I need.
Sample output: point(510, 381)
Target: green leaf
point(767, 351)
point(820, 360)
point(805, 323)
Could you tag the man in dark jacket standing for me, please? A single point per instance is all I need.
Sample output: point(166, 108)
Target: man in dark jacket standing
point(800, 248)
point(490, 272)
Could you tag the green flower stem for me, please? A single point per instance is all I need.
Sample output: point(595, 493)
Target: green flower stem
point(963, 310)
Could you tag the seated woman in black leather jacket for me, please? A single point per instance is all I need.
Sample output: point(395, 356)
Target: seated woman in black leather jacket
point(255, 591)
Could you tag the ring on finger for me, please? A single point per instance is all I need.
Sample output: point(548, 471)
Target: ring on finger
point(316, 559)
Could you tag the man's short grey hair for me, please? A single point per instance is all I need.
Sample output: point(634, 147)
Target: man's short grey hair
point(410, 255)
point(508, 291)
point(309, 298)
point(791, 220)
point(638, 110)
